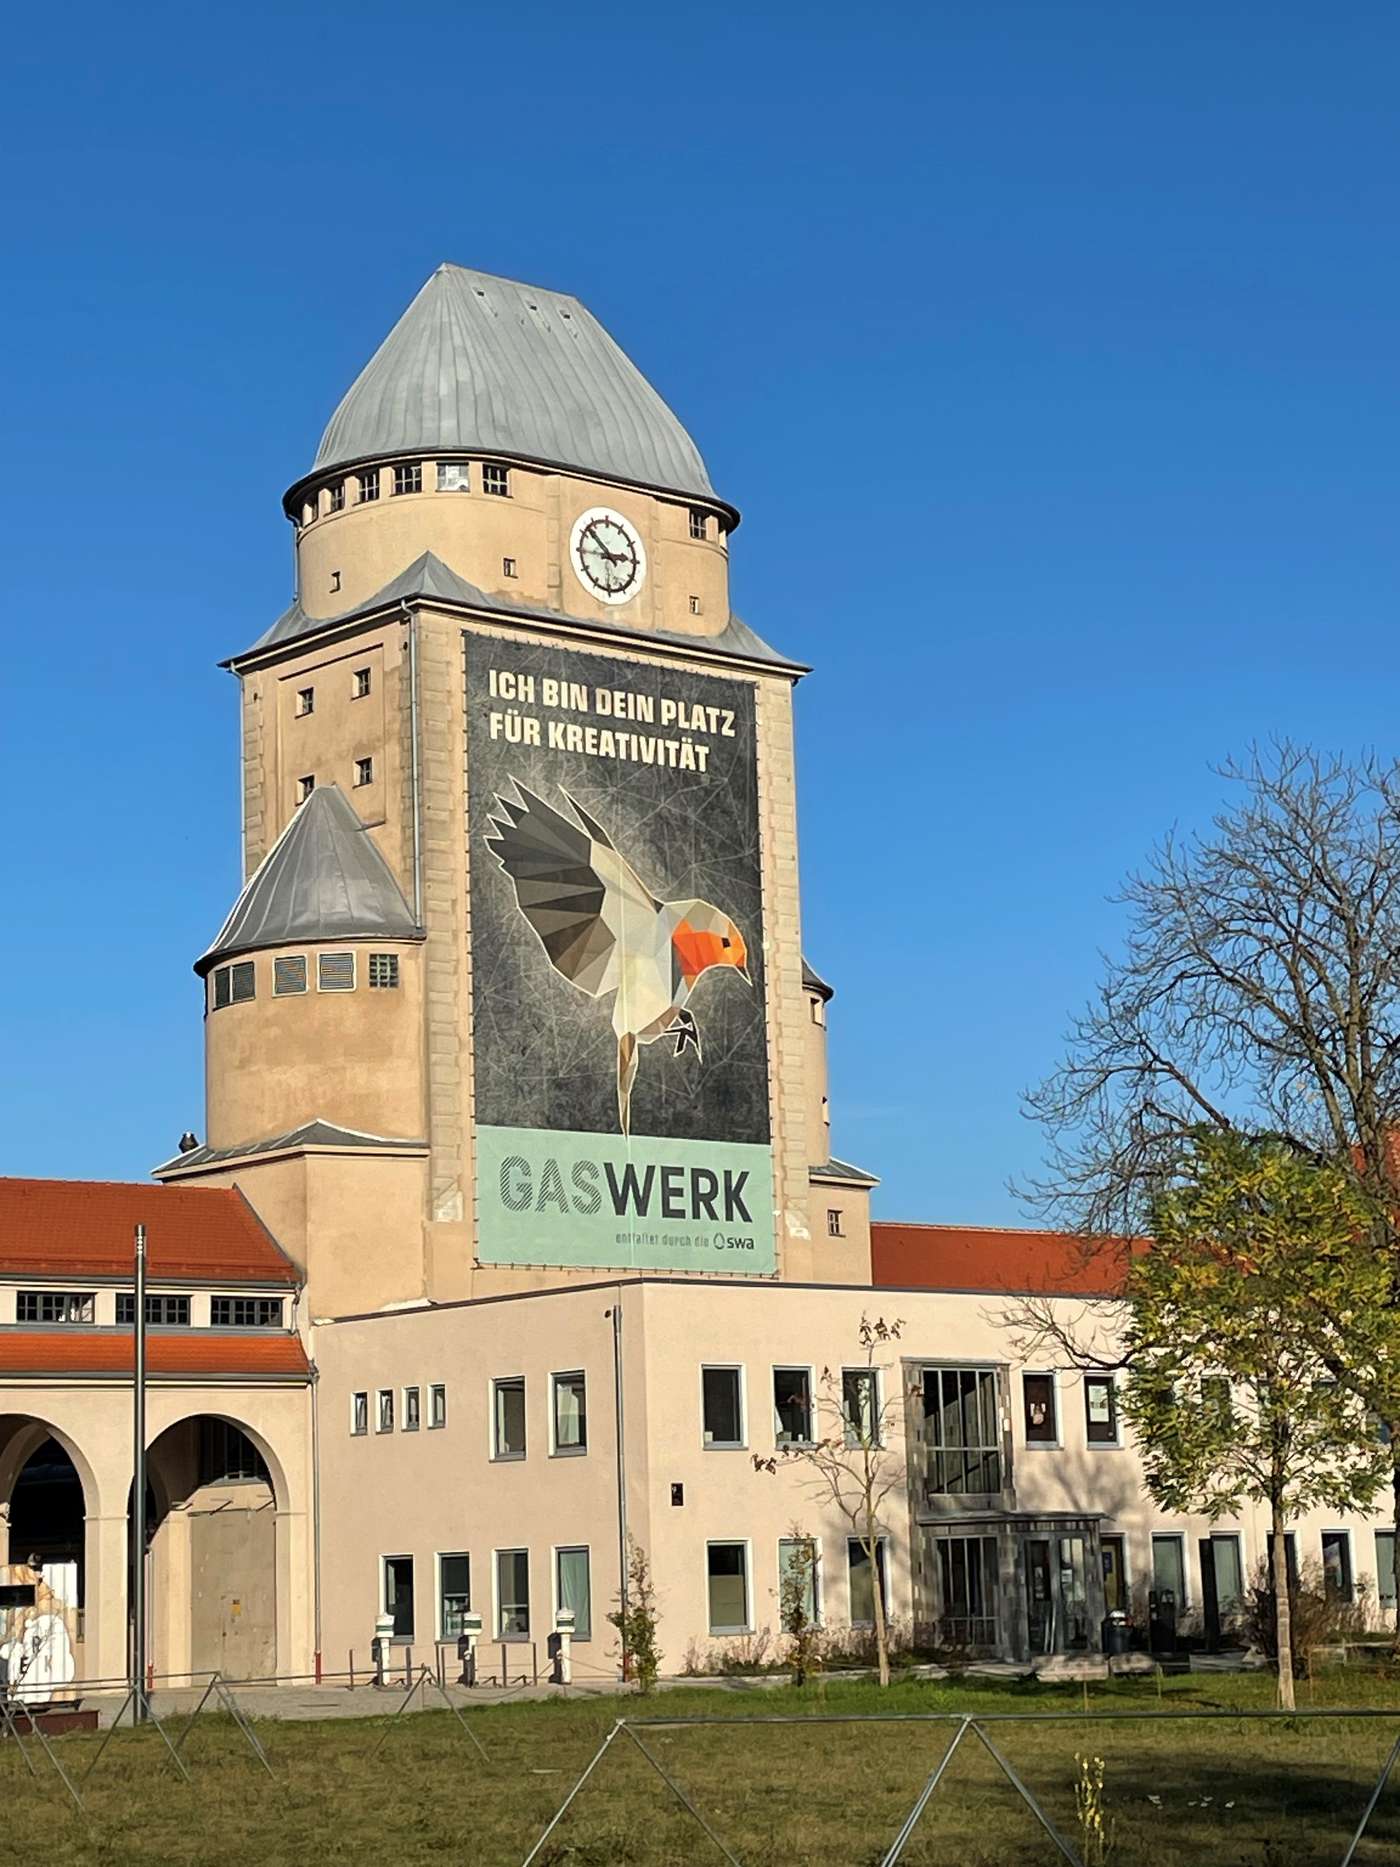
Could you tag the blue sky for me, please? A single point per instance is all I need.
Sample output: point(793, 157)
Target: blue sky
point(1049, 351)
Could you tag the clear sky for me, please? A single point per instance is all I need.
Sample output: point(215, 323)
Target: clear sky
point(1050, 352)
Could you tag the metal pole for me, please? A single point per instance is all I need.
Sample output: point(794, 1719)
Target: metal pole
point(621, 1476)
point(139, 1707)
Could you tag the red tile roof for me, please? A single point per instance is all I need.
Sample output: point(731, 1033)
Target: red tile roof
point(84, 1228)
point(995, 1258)
point(191, 1354)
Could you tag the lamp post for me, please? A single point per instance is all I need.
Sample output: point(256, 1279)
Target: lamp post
point(138, 1501)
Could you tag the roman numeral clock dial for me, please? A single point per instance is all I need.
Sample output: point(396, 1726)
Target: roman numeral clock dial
point(608, 557)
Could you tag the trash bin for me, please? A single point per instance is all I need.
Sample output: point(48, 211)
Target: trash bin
point(1115, 1632)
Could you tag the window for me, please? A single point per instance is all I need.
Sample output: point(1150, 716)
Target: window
point(454, 1595)
point(508, 1418)
point(288, 975)
point(1290, 1557)
point(162, 1312)
point(792, 1406)
point(512, 1594)
point(1385, 1568)
point(409, 479)
point(695, 606)
point(496, 480)
point(833, 1222)
point(62, 1306)
point(246, 1312)
point(571, 1589)
point(337, 499)
point(1038, 1402)
point(1228, 1570)
point(384, 971)
point(360, 684)
point(228, 1456)
point(862, 1593)
point(967, 1577)
point(335, 972)
point(453, 476)
point(305, 786)
point(962, 1427)
point(699, 524)
point(798, 1561)
point(398, 1594)
point(335, 582)
point(860, 1406)
point(306, 702)
point(507, 567)
point(359, 1414)
point(234, 985)
point(1100, 1410)
point(437, 1405)
point(818, 1014)
point(1169, 1566)
point(364, 771)
point(384, 1415)
point(412, 1409)
point(722, 1406)
point(727, 1576)
point(1336, 1565)
point(369, 484)
point(570, 1413)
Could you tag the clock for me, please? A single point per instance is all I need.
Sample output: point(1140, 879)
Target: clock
point(608, 557)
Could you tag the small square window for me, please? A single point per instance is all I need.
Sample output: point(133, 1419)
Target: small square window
point(412, 1409)
point(409, 479)
point(833, 1222)
point(337, 501)
point(359, 1414)
point(305, 786)
point(695, 606)
point(507, 567)
point(364, 771)
point(369, 485)
point(508, 1418)
point(360, 684)
point(288, 975)
point(453, 476)
point(699, 524)
point(306, 701)
point(384, 971)
point(496, 480)
point(335, 972)
point(437, 1405)
point(384, 1417)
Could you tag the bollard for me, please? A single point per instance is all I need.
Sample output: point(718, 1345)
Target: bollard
point(466, 1647)
point(563, 1647)
point(382, 1647)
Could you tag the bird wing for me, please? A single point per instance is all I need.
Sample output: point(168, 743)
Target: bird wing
point(572, 886)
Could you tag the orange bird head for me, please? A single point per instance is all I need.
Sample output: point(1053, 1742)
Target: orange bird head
point(704, 937)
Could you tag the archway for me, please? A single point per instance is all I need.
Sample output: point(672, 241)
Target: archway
point(47, 1559)
point(213, 1497)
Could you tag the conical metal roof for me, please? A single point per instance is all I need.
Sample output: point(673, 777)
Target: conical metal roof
point(323, 879)
point(479, 364)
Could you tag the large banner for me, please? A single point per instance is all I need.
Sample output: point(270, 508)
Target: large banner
point(619, 1029)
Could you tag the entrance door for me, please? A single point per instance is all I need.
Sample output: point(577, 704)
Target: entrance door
point(1115, 1579)
point(1057, 1594)
point(1040, 1599)
point(233, 1602)
point(1210, 1594)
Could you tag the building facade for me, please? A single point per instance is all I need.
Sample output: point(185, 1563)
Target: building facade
point(517, 1100)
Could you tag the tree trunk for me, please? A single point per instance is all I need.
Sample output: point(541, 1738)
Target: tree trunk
point(1395, 1518)
point(1283, 1618)
point(882, 1639)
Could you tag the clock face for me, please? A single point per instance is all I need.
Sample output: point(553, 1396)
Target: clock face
point(608, 557)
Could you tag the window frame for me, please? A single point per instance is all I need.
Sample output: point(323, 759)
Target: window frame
point(357, 1397)
point(556, 1451)
point(1055, 1442)
point(1115, 1437)
point(384, 1608)
point(740, 1444)
point(408, 478)
point(462, 468)
point(571, 1549)
point(730, 1542)
point(306, 784)
point(159, 1297)
point(357, 675)
point(364, 772)
point(1344, 1536)
point(1124, 1542)
point(280, 990)
point(881, 1579)
point(439, 1557)
point(411, 1419)
point(834, 1226)
point(383, 1419)
point(852, 1440)
point(1382, 1600)
point(497, 1604)
point(336, 497)
point(305, 703)
point(63, 1298)
point(818, 1566)
point(795, 1367)
point(436, 1390)
point(498, 1457)
point(277, 1321)
point(1179, 1538)
point(493, 470)
point(699, 523)
point(367, 477)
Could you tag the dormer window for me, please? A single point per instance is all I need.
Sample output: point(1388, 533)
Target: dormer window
point(699, 524)
point(496, 480)
point(409, 478)
point(338, 496)
point(369, 485)
point(453, 476)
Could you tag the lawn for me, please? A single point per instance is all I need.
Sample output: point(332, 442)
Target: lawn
point(814, 1794)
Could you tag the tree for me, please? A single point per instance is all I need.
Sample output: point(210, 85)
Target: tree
point(1227, 1390)
point(1258, 993)
point(852, 1459)
point(635, 1621)
point(797, 1594)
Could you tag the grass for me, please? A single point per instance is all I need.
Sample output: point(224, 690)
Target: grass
point(1269, 1794)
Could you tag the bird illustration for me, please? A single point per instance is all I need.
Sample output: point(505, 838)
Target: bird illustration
point(605, 931)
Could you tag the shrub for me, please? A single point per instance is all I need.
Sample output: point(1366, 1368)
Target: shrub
point(635, 1622)
point(1318, 1619)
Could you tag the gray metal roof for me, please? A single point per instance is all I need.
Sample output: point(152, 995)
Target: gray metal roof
point(479, 364)
point(323, 879)
point(429, 577)
point(310, 1134)
point(843, 1171)
point(813, 981)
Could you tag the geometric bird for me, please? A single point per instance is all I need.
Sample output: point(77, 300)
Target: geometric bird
point(605, 931)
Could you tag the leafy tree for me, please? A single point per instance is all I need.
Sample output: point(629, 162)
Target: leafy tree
point(635, 1620)
point(1227, 1390)
point(854, 1460)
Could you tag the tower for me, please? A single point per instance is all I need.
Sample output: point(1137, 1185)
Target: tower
point(514, 989)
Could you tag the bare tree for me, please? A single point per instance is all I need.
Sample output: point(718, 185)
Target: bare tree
point(852, 1458)
point(1259, 990)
